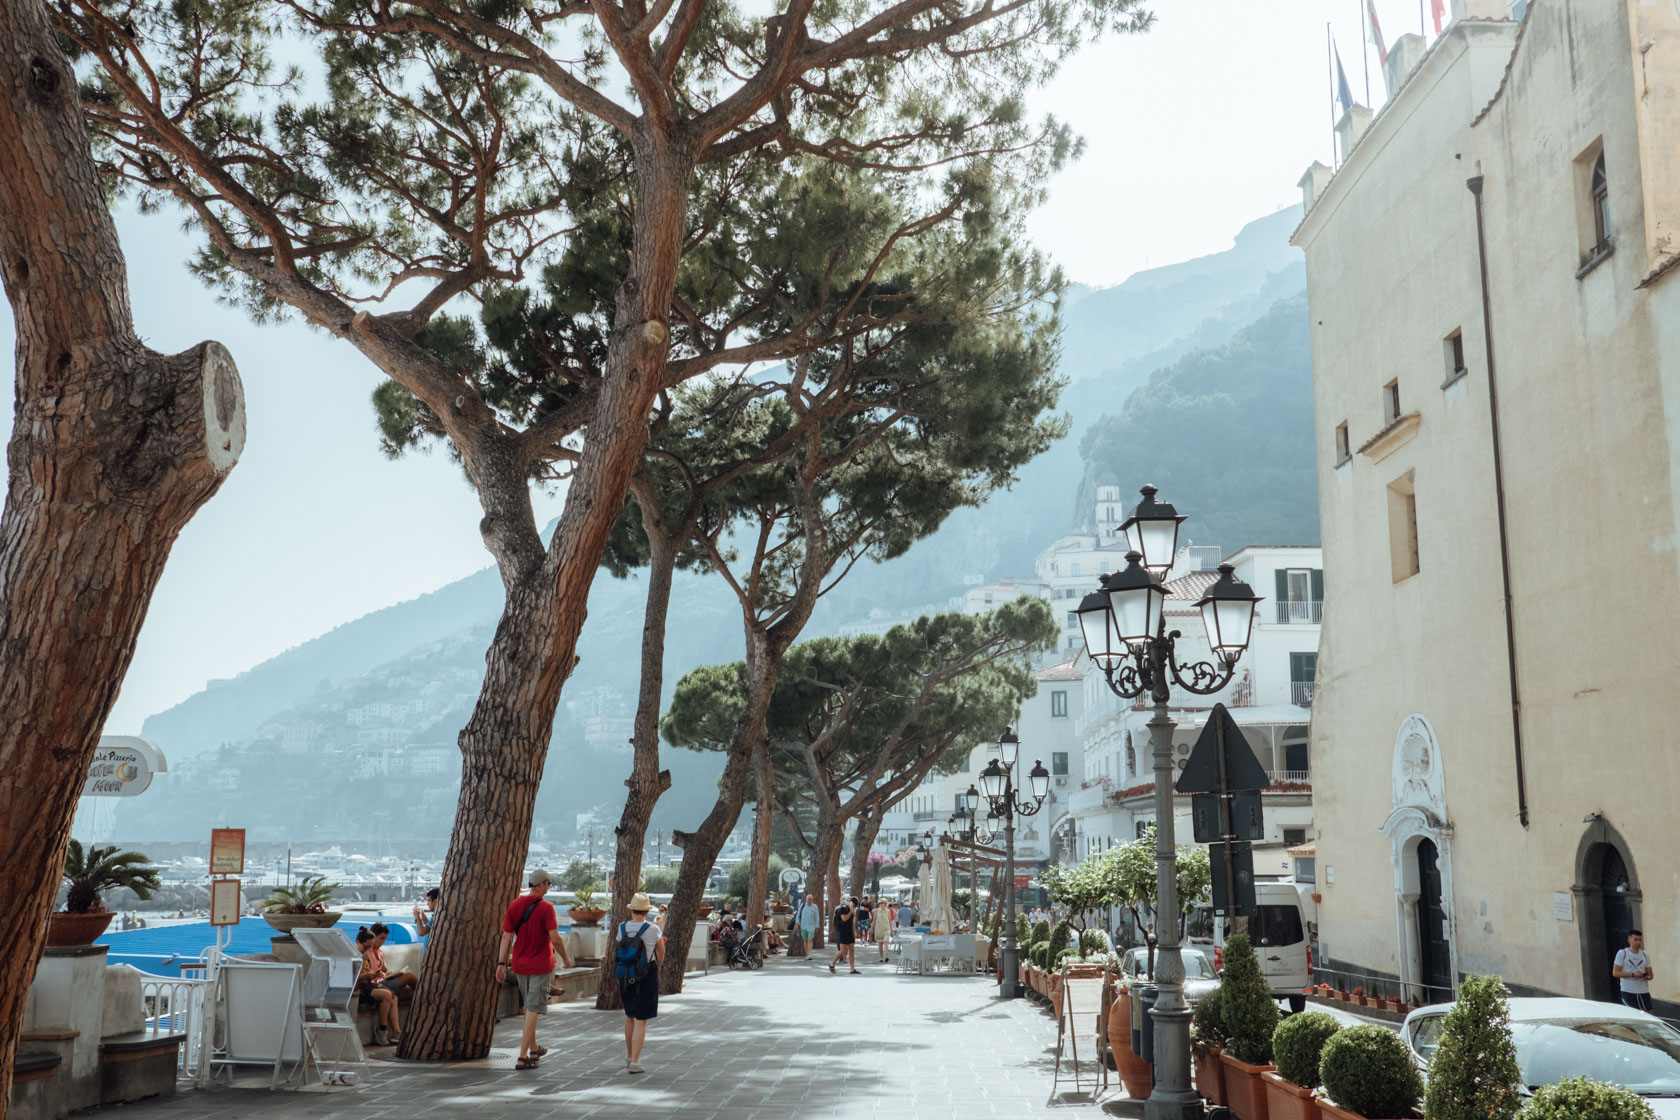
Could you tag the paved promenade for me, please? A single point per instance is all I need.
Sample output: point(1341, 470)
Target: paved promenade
point(790, 1042)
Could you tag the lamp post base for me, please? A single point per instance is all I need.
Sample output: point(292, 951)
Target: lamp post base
point(1185, 1105)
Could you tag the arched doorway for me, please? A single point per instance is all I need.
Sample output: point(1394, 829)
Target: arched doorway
point(1607, 899)
point(1434, 949)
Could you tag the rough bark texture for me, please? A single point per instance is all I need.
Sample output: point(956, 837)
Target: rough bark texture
point(505, 743)
point(764, 782)
point(646, 782)
point(114, 448)
point(863, 840)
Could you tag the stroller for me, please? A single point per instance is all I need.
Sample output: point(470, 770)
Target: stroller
point(746, 954)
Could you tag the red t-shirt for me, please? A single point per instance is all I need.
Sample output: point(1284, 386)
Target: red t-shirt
point(532, 953)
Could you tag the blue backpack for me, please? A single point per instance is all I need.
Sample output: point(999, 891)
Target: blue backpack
point(630, 959)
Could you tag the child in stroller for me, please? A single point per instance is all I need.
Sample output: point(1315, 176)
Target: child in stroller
point(743, 953)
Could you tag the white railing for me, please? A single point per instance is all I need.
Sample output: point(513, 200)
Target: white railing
point(1301, 693)
point(175, 1005)
point(1300, 776)
point(1300, 612)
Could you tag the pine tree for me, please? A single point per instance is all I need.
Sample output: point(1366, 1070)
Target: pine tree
point(1247, 1007)
point(1474, 1073)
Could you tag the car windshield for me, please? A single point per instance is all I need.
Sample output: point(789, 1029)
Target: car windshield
point(1643, 1055)
point(1196, 964)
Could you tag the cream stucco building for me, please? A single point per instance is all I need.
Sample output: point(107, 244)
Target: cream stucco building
point(1495, 776)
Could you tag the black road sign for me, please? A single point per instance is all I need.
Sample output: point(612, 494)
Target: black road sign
point(1246, 823)
point(1221, 761)
point(1242, 874)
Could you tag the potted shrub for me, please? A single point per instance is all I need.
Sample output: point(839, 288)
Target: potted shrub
point(1578, 1098)
point(586, 913)
point(1474, 1074)
point(1296, 1046)
point(779, 902)
point(1393, 1003)
point(87, 872)
point(1207, 1042)
point(1368, 1073)
point(301, 907)
point(1251, 1017)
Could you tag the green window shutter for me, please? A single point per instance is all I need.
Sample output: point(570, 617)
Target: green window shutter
point(1303, 667)
point(1282, 585)
point(1318, 585)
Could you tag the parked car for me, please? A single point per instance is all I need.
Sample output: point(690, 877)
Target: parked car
point(1199, 977)
point(1558, 1037)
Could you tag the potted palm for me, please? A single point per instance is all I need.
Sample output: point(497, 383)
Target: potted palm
point(1251, 1017)
point(1296, 1047)
point(586, 913)
point(88, 872)
point(779, 903)
point(301, 907)
point(1368, 1075)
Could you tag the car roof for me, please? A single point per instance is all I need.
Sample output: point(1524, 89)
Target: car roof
point(1529, 1009)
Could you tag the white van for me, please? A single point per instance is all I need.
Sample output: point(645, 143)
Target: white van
point(1280, 936)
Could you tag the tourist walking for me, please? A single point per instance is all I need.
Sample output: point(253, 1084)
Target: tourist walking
point(1633, 969)
point(881, 926)
point(638, 951)
point(807, 920)
point(530, 941)
point(845, 935)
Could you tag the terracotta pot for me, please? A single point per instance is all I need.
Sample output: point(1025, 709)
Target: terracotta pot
point(1134, 1071)
point(779, 908)
point(1245, 1093)
point(1286, 1100)
point(286, 923)
point(1328, 1111)
point(67, 930)
point(703, 909)
point(1392, 1003)
point(1341, 995)
point(1210, 1073)
point(586, 915)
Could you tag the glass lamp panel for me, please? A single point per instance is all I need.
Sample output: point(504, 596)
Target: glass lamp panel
point(1009, 749)
point(1154, 605)
point(994, 823)
point(1158, 541)
point(1130, 607)
point(1040, 779)
point(1096, 626)
point(991, 781)
point(972, 798)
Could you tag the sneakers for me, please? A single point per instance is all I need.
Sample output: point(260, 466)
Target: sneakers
point(634, 1067)
point(381, 1036)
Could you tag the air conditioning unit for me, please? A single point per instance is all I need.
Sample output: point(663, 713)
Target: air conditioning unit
point(1061, 781)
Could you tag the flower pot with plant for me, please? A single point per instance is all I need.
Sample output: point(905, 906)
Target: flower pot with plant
point(586, 913)
point(1296, 1045)
point(1207, 1041)
point(87, 873)
point(301, 907)
point(779, 903)
point(1473, 1074)
point(1368, 1075)
point(1251, 1018)
point(1579, 1098)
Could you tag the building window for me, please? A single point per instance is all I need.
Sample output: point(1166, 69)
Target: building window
point(963, 768)
point(1592, 202)
point(1403, 528)
point(1453, 348)
point(1059, 763)
point(1391, 402)
point(1131, 761)
point(1058, 703)
point(1344, 450)
point(1600, 205)
point(1294, 837)
point(1075, 569)
point(1072, 619)
point(1303, 671)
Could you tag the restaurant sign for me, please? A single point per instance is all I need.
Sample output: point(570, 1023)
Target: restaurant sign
point(122, 766)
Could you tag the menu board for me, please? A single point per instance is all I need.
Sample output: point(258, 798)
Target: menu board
point(224, 902)
point(227, 851)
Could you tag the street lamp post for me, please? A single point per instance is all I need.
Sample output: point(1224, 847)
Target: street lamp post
point(1124, 626)
point(997, 782)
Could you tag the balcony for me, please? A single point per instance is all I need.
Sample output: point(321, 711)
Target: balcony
point(1299, 612)
point(1301, 693)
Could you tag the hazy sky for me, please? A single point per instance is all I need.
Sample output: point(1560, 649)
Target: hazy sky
point(1193, 130)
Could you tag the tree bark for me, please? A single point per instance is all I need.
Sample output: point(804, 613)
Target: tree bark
point(505, 743)
point(868, 828)
point(764, 781)
point(646, 782)
point(114, 447)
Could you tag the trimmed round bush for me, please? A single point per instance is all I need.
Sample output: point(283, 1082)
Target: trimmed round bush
point(1041, 931)
point(1368, 1070)
point(1040, 954)
point(1093, 941)
point(1207, 1024)
point(1298, 1043)
point(1068, 954)
point(1578, 1098)
point(1059, 938)
point(1250, 1012)
point(1474, 1074)
point(1023, 931)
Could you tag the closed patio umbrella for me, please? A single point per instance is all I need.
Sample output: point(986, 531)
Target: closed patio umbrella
point(936, 910)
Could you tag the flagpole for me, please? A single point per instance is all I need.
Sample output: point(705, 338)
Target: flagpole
point(1330, 71)
point(1365, 51)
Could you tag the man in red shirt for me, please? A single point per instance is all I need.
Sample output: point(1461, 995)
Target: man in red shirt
point(530, 939)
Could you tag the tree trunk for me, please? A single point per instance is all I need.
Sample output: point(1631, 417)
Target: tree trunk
point(700, 850)
point(868, 828)
point(506, 741)
point(646, 782)
point(825, 852)
point(764, 779)
point(114, 448)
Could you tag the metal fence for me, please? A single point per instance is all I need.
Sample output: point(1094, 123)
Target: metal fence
point(176, 1005)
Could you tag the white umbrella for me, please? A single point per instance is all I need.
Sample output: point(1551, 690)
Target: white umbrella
point(924, 890)
point(936, 911)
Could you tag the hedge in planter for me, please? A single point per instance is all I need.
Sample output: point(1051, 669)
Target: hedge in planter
point(1367, 1070)
point(1249, 1011)
point(1207, 1024)
point(1059, 938)
point(1577, 1098)
point(1297, 1045)
point(1023, 931)
point(1474, 1074)
point(1093, 941)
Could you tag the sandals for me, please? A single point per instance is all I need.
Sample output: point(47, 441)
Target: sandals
point(525, 1063)
point(831, 965)
point(541, 1050)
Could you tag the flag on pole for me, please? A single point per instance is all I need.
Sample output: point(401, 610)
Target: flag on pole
point(1440, 13)
point(1376, 32)
point(1343, 93)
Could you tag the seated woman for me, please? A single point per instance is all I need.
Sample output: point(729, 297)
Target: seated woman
point(773, 940)
point(377, 993)
point(404, 982)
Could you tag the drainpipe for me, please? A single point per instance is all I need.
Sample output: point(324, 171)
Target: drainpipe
point(1475, 185)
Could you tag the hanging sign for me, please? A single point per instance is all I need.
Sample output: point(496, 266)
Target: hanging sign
point(227, 851)
point(122, 766)
point(224, 902)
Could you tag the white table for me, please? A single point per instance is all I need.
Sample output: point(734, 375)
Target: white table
point(928, 953)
